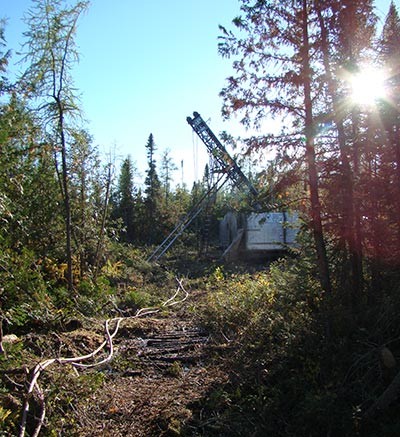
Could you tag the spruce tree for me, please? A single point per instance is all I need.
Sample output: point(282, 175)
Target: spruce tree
point(125, 208)
point(166, 173)
point(152, 195)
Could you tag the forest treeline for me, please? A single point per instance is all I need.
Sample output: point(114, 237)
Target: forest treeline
point(62, 205)
point(67, 221)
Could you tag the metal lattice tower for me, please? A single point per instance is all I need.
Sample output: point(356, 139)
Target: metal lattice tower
point(226, 168)
point(225, 163)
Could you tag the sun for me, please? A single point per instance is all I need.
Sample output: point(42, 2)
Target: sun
point(367, 86)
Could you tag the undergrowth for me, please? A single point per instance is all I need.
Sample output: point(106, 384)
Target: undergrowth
point(298, 365)
point(301, 364)
point(37, 307)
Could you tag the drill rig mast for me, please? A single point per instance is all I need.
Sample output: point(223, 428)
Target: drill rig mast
point(224, 162)
point(226, 167)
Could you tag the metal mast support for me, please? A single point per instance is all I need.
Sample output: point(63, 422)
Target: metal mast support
point(218, 152)
point(185, 222)
point(227, 169)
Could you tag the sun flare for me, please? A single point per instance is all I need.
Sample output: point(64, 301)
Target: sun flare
point(367, 86)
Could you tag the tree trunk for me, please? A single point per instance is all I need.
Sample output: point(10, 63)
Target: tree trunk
point(356, 249)
point(351, 232)
point(67, 203)
point(395, 143)
point(323, 267)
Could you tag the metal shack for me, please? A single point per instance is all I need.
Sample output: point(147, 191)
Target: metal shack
point(257, 235)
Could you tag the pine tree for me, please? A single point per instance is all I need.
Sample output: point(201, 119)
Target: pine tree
point(276, 76)
point(346, 30)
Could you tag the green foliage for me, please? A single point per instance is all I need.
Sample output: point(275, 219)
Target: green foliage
point(125, 202)
point(8, 420)
point(134, 299)
point(61, 402)
point(15, 356)
point(152, 213)
point(299, 365)
point(234, 302)
point(24, 288)
point(34, 294)
point(273, 324)
point(175, 369)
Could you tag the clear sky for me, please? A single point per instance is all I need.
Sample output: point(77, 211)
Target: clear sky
point(144, 67)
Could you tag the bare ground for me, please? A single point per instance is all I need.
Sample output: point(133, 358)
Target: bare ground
point(161, 368)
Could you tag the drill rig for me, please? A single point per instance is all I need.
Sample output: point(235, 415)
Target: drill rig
point(224, 166)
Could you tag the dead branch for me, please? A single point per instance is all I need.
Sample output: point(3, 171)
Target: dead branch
point(76, 362)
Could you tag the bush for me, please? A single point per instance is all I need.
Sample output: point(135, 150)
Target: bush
point(281, 383)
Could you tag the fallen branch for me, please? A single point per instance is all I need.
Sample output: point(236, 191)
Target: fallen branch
point(76, 362)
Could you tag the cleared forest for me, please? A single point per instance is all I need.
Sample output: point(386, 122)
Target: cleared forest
point(98, 337)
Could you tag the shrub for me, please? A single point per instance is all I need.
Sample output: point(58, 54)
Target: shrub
point(274, 321)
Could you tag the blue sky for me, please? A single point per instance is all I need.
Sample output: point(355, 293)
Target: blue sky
point(144, 67)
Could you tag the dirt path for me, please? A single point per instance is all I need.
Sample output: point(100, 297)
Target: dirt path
point(161, 368)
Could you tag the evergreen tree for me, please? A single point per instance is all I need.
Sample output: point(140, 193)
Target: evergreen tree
point(389, 51)
point(346, 31)
point(152, 195)
point(125, 202)
point(28, 185)
point(275, 75)
point(4, 58)
point(88, 193)
point(383, 182)
point(295, 60)
point(167, 168)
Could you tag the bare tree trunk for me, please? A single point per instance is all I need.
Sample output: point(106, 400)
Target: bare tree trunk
point(323, 267)
point(351, 232)
point(103, 224)
point(67, 202)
